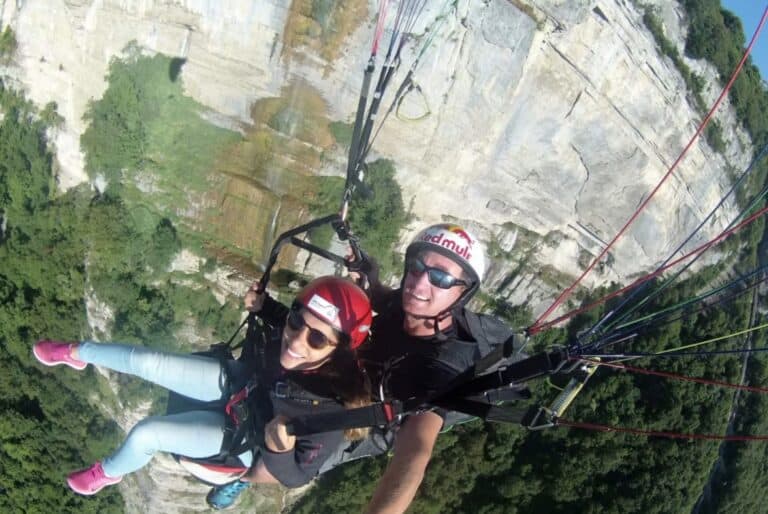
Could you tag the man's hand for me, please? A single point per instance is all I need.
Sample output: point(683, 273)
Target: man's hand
point(254, 300)
point(413, 449)
point(276, 436)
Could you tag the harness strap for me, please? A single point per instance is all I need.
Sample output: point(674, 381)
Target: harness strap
point(470, 322)
point(499, 354)
point(490, 412)
point(238, 436)
point(539, 364)
point(235, 407)
point(287, 390)
point(506, 394)
point(377, 414)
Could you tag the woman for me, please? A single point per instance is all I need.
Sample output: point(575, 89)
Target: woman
point(311, 358)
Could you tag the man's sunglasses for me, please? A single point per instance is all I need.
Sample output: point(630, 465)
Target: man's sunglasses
point(436, 276)
point(315, 338)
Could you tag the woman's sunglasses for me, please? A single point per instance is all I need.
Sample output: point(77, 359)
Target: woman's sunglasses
point(436, 276)
point(315, 338)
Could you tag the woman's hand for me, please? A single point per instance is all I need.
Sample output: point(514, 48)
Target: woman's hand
point(254, 300)
point(276, 436)
point(365, 271)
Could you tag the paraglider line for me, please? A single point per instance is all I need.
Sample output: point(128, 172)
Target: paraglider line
point(655, 433)
point(675, 376)
point(536, 327)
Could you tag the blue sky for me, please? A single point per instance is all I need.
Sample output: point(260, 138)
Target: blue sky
point(750, 12)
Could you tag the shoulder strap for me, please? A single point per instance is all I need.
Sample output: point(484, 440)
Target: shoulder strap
point(289, 390)
point(485, 329)
point(497, 343)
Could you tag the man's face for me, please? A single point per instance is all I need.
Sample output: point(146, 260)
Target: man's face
point(420, 297)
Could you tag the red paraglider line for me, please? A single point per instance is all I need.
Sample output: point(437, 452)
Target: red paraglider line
point(379, 26)
point(675, 376)
point(654, 433)
point(645, 278)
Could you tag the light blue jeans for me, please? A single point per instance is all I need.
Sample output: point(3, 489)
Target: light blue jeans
point(194, 434)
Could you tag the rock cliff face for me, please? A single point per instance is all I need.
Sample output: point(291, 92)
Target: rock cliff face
point(547, 122)
point(552, 119)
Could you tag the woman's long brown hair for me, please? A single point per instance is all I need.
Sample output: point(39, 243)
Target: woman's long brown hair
point(349, 383)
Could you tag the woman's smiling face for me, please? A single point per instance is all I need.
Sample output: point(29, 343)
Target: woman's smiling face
point(307, 342)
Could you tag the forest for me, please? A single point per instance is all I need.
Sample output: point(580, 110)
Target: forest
point(61, 250)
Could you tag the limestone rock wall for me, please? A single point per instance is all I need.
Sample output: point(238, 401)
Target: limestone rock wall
point(555, 117)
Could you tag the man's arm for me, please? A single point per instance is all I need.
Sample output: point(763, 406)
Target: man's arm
point(413, 448)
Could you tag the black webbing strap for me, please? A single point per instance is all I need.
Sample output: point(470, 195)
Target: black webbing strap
point(534, 366)
point(246, 443)
point(236, 440)
point(507, 394)
point(490, 412)
point(377, 414)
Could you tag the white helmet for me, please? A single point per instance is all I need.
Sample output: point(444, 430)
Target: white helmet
point(455, 243)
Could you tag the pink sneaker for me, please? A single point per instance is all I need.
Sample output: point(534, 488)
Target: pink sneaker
point(91, 480)
point(52, 353)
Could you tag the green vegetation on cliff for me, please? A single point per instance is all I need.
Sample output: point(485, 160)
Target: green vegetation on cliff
point(716, 35)
point(144, 122)
point(8, 45)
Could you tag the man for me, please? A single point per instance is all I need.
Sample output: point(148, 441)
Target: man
point(424, 338)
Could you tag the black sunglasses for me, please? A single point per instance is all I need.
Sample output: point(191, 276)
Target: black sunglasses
point(316, 339)
point(436, 276)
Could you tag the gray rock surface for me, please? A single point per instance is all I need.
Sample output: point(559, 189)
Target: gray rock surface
point(560, 116)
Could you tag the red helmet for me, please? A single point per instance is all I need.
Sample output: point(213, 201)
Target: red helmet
point(341, 304)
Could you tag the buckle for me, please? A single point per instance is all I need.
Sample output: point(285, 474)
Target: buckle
point(281, 390)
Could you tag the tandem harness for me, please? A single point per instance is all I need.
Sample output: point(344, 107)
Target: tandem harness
point(476, 392)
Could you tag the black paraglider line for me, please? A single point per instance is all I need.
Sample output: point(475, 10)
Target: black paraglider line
point(654, 319)
point(653, 274)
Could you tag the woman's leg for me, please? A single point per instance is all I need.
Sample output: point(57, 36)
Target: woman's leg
point(195, 376)
point(193, 434)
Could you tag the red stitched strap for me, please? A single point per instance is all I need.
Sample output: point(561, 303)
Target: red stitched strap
point(236, 398)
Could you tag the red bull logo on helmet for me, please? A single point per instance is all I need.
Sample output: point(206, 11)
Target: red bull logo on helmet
point(460, 244)
point(461, 233)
